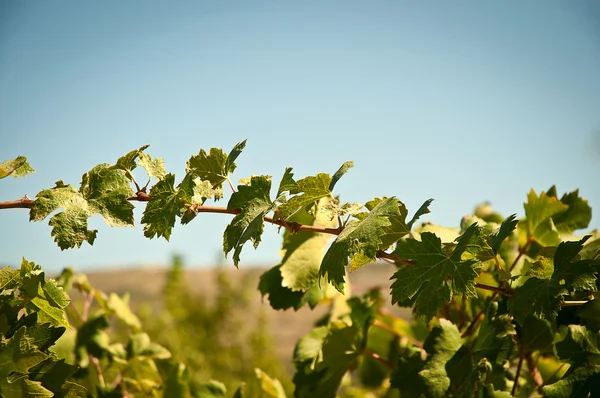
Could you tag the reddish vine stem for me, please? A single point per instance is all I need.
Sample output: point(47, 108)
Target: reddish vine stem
point(521, 253)
point(517, 375)
point(471, 326)
point(23, 203)
point(389, 329)
point(231, 185)
point(493, 289)
point(533, 370)
point(379, 358)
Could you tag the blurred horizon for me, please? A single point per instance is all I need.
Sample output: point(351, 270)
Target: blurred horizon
point(462, 102)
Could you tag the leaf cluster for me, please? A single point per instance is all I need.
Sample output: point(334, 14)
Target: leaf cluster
point(501, 305)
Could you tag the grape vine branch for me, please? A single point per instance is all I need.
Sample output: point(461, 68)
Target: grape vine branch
point(501, 305)
point(293, 227)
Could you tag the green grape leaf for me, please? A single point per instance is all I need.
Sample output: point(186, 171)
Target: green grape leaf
point(578, 346)
point(15, 168)
point(332, 209)
point(441, 345)
point(581, 349)
point(506, 228)
point(45, 298)
point(254, 203)
point(9, 279)
point(154, 167)
point(287, 183)
point(269, 386)
point(311, 189)
point(436, 275)
point(17, 355)
point(44, 335)
point(478, 247)
point(360, 241)
point(304, 250)
point(214, 166)
point(176, 381)
point(544, 297)
point(577, 216)
point(579, 383)
point(537, 335)
point(230, 165)
point(164, 206)
point(494, 340)
point(340, 173)
point(92, 338)
point(55, 294)
point(415, 377)
point(211, 389)
point(104, 190)
point(128, 161)
point(120, 307)
point(70, 226)
point(280, 297)
point(140, 346)
point(406, 377)
point(48, 313)
point(424, 209)
point(323, 357)
point(303, 253)
point(590, 315)
point(202, 191)
point(397, 228)
point(240, 392)
point(542, 268)
point(474, 381)
point(53, 375)
point(539, 213)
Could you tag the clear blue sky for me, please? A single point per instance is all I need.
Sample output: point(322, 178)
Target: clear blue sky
point(459, 101)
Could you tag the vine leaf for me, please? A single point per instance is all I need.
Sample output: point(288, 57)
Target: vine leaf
point(539, 211)
point(340, 173)
point(17, 167)
point(304, 250)
point(104, 190)
point(493, 346)
point(537, 335)
point(577, 216)
point(506, 228)
point(417, 377)
point(127, 162)
point(544, 297)
point(280, 297)
point(424, 209)
point(360, 240)
point(270, 386)
point(287, 183)
point(436, 275)
point(214, 166)
point(397, 228)
point(295, 280)
point(311, 189)
point(254, 204)
point(581, 349)
point(323, 357)
point(165, 204)
point(154, 167)
point(17, 355)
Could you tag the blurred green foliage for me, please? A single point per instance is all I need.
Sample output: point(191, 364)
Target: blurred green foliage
point(219, 336)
